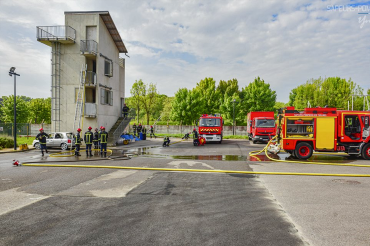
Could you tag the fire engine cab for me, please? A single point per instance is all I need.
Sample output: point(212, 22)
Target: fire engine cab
point(325, 130)
point(211, 127)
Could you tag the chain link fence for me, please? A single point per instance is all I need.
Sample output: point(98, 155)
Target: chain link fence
point(6, 129)
point(26, 129)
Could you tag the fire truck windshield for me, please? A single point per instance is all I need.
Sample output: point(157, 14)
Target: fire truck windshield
point(210, 122)
point(265, 123)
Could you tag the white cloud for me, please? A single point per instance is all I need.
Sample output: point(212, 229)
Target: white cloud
point(176, 44)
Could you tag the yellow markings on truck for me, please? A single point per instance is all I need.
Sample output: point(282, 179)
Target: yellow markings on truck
point(325, 133)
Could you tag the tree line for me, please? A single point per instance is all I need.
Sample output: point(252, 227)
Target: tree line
point(187, 105)
point(228, 99)
point(36, 110)
point(332, 92)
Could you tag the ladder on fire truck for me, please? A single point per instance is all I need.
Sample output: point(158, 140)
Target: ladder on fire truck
point(80, 99)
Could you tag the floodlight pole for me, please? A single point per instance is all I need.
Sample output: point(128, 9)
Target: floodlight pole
point(11, 72)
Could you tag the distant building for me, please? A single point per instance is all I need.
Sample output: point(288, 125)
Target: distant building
point(87, 40)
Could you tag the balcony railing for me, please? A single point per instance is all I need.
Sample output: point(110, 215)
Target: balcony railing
point(121, 62)
point(90, 110)
point(90, 78)
point(56, 33)
point(89, 46)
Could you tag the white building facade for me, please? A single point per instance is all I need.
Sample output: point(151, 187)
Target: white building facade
point(86, 49)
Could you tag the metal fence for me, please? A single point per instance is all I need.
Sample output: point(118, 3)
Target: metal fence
point(22, 129)
point(26, 129)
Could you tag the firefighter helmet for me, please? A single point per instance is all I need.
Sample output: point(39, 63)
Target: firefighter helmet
point(89, 128)
point(79, 129)
point(41, 129)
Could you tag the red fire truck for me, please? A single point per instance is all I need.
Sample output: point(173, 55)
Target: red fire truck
point(325, 130)
point(211, 127)
point(261, 126)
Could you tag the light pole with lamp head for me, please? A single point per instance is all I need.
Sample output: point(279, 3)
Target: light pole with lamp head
point(11, 73)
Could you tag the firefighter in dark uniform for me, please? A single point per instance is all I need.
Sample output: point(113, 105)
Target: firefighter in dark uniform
point(103, 142)
point(166, 141)
point(144, 132)
point(195, 137)
point(139, 128)
point(78, 140)
point(42, 140)
point(101, 129)
point(152, 132)
point(125, 110)
point(88, 138)
point(134, 129)
point(96, 140)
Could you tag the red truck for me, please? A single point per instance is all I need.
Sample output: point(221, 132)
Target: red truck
point(211, 127)
point(325, 130)
point(261, 126)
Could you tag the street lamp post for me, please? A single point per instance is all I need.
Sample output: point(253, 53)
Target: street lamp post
point(234, 116)
point(11, 72)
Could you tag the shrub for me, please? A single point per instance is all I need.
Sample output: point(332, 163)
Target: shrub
point(6, 142)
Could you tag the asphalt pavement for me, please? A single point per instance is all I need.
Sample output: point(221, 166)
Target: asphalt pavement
point(105, 206)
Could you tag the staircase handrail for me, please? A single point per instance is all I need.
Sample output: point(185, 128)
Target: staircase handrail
point(118, 132)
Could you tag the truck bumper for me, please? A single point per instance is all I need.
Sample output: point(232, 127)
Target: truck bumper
point(262, 138)
point(211, 138)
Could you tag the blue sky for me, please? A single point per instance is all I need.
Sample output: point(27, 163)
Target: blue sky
point(175, 44)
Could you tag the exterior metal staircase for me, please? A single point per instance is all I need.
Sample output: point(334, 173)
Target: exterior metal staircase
point(117, 129)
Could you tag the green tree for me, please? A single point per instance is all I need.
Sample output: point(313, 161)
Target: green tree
point(279, 105)
point(148, 99)
point(257, 96)
point(167, 109)
point(137, 92)
point(7, 109)
point(159, 106)
point(40, 110)
point(186, 106)
point(332, 92)
point(230, 108)
point(209, 97)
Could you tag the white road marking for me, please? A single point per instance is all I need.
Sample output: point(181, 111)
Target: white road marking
point(189, 163)
point(13, 199)
point(115, 184)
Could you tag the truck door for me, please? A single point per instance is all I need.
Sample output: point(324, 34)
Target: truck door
point(352, 128)
point(325, 133)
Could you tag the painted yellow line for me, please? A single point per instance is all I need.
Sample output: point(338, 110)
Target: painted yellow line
point(201, 170)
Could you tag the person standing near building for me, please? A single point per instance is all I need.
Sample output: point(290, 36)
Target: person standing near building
point(139, 129)
point(103, 142)
point(78, 140)
point(152, 132)
point(96, 140)
point(42, 140)
point(88, 138)
point(134, 129)
point(125, 110)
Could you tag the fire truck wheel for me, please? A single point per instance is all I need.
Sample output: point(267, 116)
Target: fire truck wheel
point(366, 151)
point(303, 151)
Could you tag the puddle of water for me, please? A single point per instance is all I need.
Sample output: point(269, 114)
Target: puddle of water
point(146, 152)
